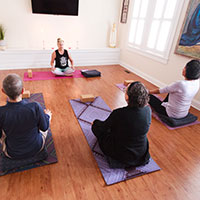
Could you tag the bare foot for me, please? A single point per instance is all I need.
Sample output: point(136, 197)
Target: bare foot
point(69, 74)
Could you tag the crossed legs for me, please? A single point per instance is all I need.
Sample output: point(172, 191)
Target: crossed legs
point(155, 103)
point(63, 72)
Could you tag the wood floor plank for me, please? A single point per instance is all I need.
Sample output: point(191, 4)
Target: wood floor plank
point(77, 176)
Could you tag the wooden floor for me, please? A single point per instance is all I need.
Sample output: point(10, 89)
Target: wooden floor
point(77, 176)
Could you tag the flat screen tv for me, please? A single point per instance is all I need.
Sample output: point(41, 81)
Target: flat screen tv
point(56, 7)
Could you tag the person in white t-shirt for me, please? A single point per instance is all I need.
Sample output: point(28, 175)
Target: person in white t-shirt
point(180, 93)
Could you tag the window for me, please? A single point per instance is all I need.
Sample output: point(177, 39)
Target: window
point(152, 26)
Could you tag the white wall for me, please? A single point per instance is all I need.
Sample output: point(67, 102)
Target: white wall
point(25, 30)
point(154, 71)
point(23, 59)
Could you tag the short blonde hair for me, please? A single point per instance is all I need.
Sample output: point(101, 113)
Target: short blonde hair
point(60, 40)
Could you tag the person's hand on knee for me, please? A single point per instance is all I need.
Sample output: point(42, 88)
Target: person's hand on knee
point(73, 67)
point(48, 112)
point(53, 68)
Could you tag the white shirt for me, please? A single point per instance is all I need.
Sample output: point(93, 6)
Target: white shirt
point(181, 94)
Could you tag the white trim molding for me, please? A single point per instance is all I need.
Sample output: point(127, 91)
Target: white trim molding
point(195, 102)
point(24, 59)
point(143, 75)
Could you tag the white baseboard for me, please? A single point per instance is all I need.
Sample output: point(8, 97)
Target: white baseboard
point(23, 59)
point(143, 75)
point(195, 103)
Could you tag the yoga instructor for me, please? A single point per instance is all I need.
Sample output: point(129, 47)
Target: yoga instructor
point(61, 57)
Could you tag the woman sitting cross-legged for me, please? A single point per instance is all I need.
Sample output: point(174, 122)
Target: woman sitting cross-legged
point(123, 135)
point(61, 57)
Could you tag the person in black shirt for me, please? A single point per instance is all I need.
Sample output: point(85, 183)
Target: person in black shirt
point(61, 57)
point(123, 135)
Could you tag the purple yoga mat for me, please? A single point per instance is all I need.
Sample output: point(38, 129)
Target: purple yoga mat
point(122, 87)
point(155, 115)
point(48, 75)
point(98, 109)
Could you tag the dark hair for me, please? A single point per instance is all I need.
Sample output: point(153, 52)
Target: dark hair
point(193, 70)
point(12, 85)
point(138, 95)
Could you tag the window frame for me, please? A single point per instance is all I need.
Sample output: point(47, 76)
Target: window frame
point(143, 49)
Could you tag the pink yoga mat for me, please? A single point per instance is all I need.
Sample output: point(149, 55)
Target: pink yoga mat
point(48, 75)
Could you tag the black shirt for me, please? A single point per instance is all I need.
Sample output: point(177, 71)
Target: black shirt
point(125, 135)
point(62, 60)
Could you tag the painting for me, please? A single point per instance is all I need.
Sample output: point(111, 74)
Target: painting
point(189, 39)
point(124, 13)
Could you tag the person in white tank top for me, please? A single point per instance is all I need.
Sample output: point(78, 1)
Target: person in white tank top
point(180, 93)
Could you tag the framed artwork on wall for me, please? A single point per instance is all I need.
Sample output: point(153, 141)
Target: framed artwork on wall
point(189, 39)
point(124, 13)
